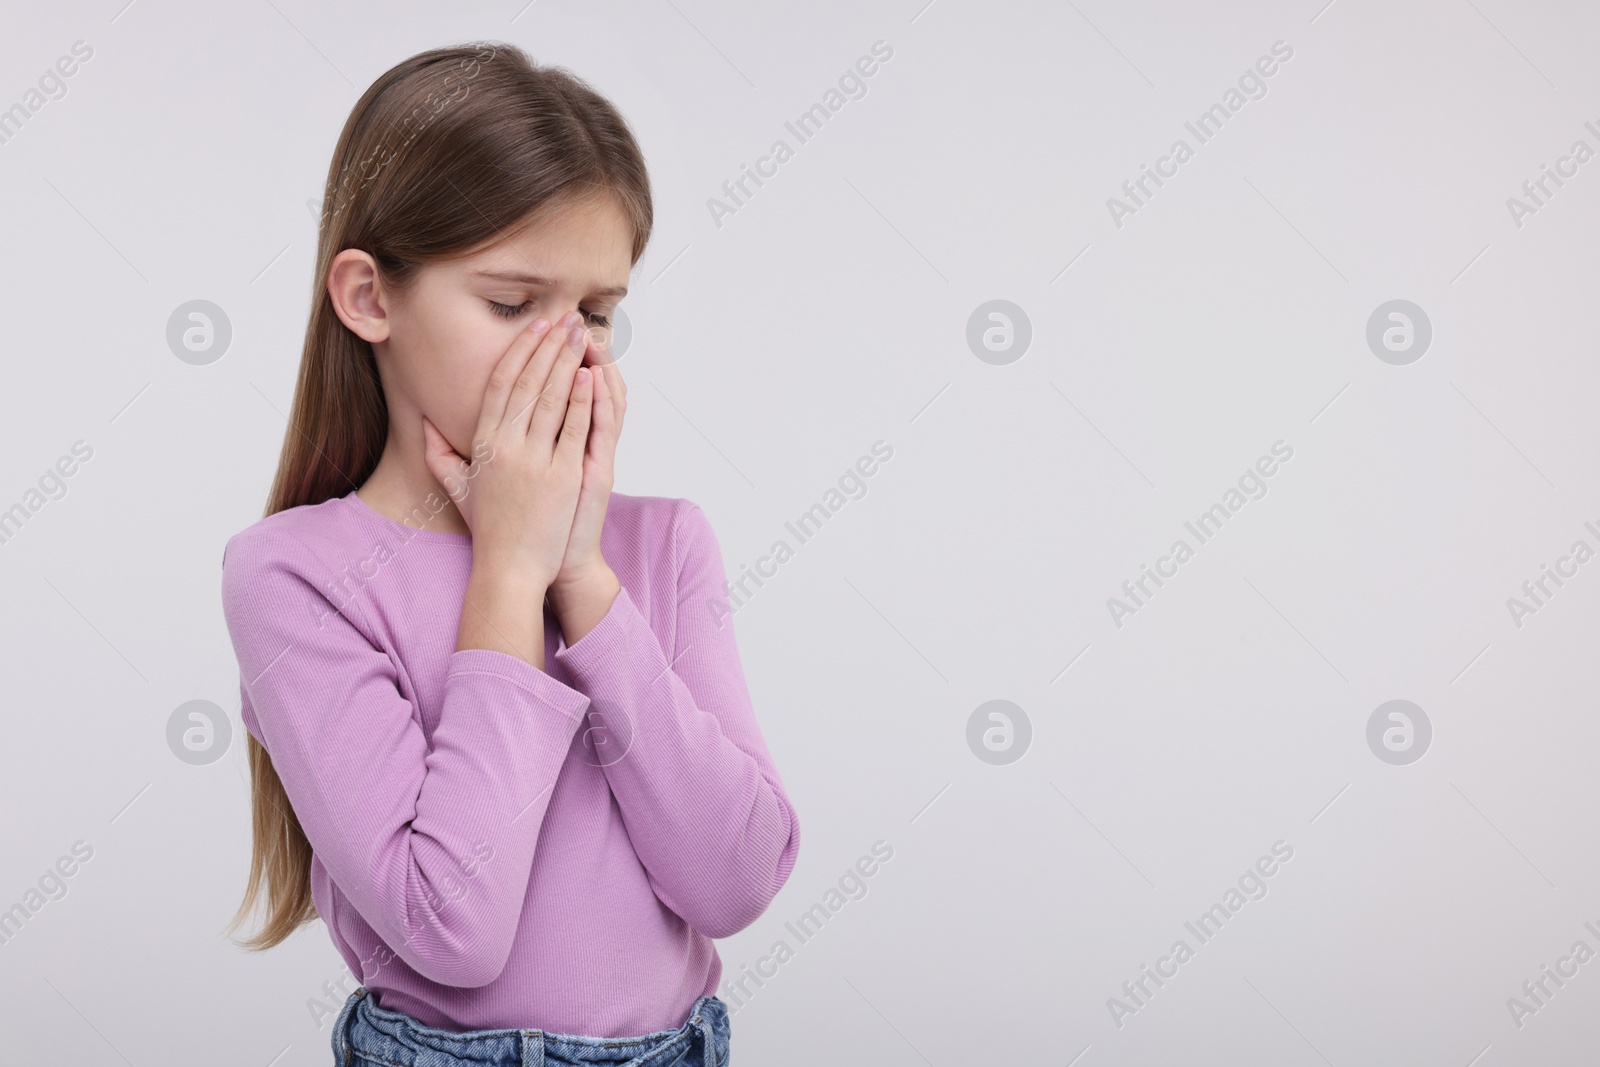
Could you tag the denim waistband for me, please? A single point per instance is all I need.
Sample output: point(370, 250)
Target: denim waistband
point(395, 1038)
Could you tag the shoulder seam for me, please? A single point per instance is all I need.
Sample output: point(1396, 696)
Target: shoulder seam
point(362, 624)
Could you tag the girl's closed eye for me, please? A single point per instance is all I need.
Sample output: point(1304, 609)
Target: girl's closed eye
point(510, 311)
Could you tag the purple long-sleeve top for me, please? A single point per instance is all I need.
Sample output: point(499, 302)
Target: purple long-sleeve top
point(495, 845)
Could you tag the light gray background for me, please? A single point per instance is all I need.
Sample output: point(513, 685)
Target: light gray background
point(769, 354)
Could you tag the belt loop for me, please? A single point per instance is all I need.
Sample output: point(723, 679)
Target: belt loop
point(716, 1013)
point(711, 1055)
point(343, 1053)
point(708, 1045)
point(533, 1048)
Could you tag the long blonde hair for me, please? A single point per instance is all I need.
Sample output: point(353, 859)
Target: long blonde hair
point(445, 151)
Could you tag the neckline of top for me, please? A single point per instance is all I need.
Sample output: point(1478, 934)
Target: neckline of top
point(444, 537)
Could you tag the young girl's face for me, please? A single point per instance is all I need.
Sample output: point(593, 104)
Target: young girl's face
point(447, 333)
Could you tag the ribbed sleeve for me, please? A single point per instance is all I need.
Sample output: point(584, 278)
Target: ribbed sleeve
point(699, 794)
point(431, 843)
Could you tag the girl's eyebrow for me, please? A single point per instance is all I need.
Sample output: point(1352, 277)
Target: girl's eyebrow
point(536, 279)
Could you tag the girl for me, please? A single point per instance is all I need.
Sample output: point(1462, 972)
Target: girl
point(500, 739)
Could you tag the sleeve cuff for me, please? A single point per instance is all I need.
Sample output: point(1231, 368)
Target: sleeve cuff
point(584, 660)
point(522, 674)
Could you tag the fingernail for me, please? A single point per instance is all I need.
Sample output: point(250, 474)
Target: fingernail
point(539, 325)
point(575, 336)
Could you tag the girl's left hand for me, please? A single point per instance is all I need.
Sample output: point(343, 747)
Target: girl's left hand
point(583, 561)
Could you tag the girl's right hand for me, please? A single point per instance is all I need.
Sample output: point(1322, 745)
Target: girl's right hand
point(521, 490)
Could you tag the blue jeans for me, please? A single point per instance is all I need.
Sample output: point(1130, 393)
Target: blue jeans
point(366, 1035)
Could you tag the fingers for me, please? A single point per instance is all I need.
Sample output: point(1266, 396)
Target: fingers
point(526, 394)
point(603, 418)
point(600, 378)
point(608, 375)
point(546, 414)
point(600, 355)
point(618, 388)
point(507, 372)
point(575, 429)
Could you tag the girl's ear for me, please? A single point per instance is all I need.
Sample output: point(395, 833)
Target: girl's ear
point(357, 295)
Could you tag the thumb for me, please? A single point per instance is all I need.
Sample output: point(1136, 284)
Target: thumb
point(443, 461)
